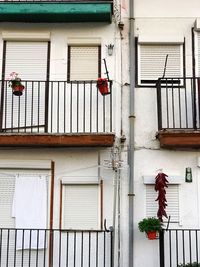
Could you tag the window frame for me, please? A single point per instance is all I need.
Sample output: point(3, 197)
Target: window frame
point(152, 83)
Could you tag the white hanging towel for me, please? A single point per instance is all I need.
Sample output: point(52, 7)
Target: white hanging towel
point(30, 211)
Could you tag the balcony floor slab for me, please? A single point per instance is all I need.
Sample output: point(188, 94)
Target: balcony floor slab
point(57, 140)
point(179, 139)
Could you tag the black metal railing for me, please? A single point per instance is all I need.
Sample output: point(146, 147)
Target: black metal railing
point(180, 247)
point(59, 248)
point(56, 107)
point(178, 103)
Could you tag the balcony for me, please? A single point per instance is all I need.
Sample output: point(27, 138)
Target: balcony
point(56, 113)
point(178, 107)
point(55, 11)
point(44, 248)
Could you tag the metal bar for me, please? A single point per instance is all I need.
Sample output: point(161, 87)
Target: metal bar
point(59, 259)
point(159, 110)
point(30, 248)
point(111, 106)
point(71, 108)
point(2, 85)
point(58, 108)
point(46, 111)
point(67, 248)
point(64, 104)
point(84, 117)
point(161, 247)
point(77, 111)
point(183, 237)
point(97, 111)
point(74, 249)
point(170, 248)
point(91, 107)
point(1, 246)
point(89, 249)
point(176, 247)
point(8, 240)
point(82, 249)
point(194, 105)
point(38, 109)
point(15, 247)
point(32, 103)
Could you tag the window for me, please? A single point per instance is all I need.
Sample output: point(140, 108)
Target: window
point(172, 196)
point(80, 206)
point(152, 59)
point(83, 63)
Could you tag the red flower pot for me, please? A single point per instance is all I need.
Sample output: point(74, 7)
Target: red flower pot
point(102, 84)
point(18, 90)
point(152, 235)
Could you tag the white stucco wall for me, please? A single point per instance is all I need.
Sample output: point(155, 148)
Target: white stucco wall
point(78, 161)
point(162, 20)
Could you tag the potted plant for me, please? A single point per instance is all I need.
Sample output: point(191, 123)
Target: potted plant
point(150, 226)
point(102, 84)
point(15, 84)
point(192, 264)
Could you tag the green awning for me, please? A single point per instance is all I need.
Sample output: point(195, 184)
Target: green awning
point(55, 12)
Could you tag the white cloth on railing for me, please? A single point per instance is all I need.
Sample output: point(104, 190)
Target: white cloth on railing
point(30, 211)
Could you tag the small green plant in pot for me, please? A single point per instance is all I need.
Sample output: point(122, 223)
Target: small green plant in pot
point(192, 264)
point(150, 226)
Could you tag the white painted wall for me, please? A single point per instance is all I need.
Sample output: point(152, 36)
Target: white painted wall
point(162, 20)
point(78, 161)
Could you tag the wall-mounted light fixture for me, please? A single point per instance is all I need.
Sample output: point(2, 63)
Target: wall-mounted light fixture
point(110, 49)
point(188, 175)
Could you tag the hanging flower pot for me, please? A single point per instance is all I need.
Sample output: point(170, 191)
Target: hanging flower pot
point(18, 89)
point(102, 84)
point(15, 84)
point(152, 235)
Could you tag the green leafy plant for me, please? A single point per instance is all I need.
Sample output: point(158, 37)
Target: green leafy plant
point(192, 264)
point(150, 224)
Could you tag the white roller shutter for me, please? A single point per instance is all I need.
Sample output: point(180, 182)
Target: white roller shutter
point(198, 54)
point(29, 59)
point(7, 187)
point(81, 206)
point(151, 61)
point(83, 63)
point(172, 196)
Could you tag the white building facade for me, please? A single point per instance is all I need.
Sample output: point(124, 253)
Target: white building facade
point(167, 126)
point(57, 174)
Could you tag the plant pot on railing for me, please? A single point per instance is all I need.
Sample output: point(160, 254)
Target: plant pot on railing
point(151, 226)
point(102, 84)
point(17, 89)
point(15, 84)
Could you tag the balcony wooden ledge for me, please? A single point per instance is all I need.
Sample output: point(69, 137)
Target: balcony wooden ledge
point(57, 140)
point(183, 139)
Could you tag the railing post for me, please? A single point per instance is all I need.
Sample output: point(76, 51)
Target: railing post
point(46, 106)
point(159, 108)
point(161, 248)
point(194, 104)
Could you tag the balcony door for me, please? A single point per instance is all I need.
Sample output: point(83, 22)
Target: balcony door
point(25, 113)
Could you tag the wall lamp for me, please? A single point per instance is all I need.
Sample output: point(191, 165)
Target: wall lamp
point(110, 49)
